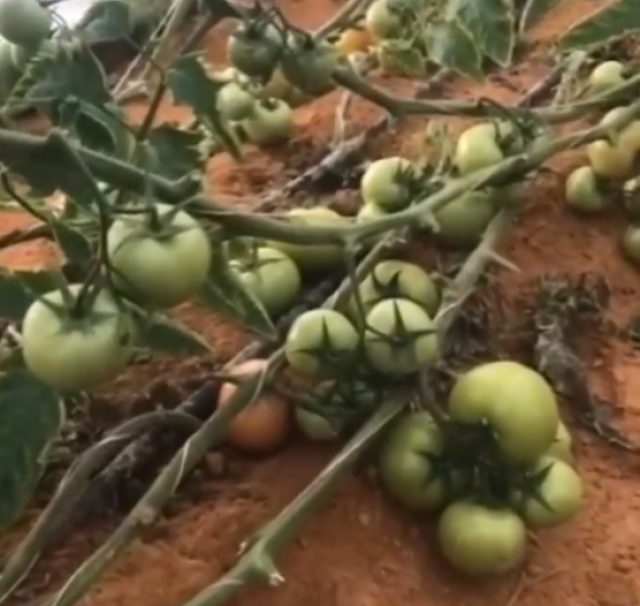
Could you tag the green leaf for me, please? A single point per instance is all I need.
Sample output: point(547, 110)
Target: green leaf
point(616, 19)
point(189, 85)
point(175, 152)
point(15, 298)
point(38, 283)
point(31, 416)
point(74, 244)
point(162, 334)
point(106, 20)
point(225, 294)
point(490, 24)
point(450, 45)
point(533, 11)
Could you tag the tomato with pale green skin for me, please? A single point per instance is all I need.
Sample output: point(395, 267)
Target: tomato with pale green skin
point(462, 221)
point(321, 343)
point(382, 21)
point(312, 258)
point(583, 192)
point(255, 48)
point(24, 22)
point(314, 426)
point(159, 268)
point(387, 183)
point(309, 65)
point(561, 489)
point(235, 101)
point(517, 403)
point(406, 463)
point(271, 276)
point(480, 541)
point(562, 447)
point(76, 354)
point(631, 244)
point(605, 76)
point(399, 339)
point(477, 148)
point(270, 123)
point(397, 279)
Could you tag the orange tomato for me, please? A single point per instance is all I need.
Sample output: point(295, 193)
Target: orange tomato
point(263, 425)
point(355, 40)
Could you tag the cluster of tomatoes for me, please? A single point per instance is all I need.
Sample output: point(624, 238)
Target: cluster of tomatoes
point(497, 464)
point(611, 175)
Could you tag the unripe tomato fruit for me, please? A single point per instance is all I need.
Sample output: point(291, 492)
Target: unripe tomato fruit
point(272, 277)
point(382, 21)
point(271, 122)
point(354, 40)
point(582, 192)
point(314, 426)
point(162, 269)
point(399, 340)
point(312, 258)
point(262, 426)
point(561, 489)
point(631, 244)
point(321, 342)
point(384, 183)
point(517, 402)
point(368, 213)
point(309, 65)
point(480, 541)
point(71, 354)
point(562, 447)
point(235, 102)
point(462, 222)
point(255, 48)
point(477, 148)
point(393, 279)
point(605, 76)
point(406, 463)
point(24, 22)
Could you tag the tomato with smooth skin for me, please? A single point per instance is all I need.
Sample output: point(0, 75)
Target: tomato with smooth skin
point(397, 279)
point(255, 48)
point(583, 192)
point(314, 426)
point(400, 338)
point(562, 447)
point(235, 101)
point(159, 268)
point(265, 424)
point(76, 354)
point(561, 489)
point(387, 183)
point(480, 541)
point(309, 65)
point(24, 22)
point(271, 122)
point(271, 276)
point(462, 221)
point(354, 40)
point(517, 403)
point(477, 148)
point(605, 76)
point(313, 258)
point(631, 244)
point(406, 463)
point(321, 343)
point(382, 21)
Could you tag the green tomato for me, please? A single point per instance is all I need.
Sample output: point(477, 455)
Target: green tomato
point(477, 148)
point(394, 279)
point(605, 76)
point(480, 541)
point(516, 401)
point(320, 343)
point(270, 123)
point(583, 193)
point(562, 447)
point(462, 222)
point(272, 277)
point(382, 21)
point(406, 463)
point(24, 22)
point(367, 214)
point(313, 258)
point(164, 268)
point(235, 101)
point(386, 183)
point(631, 244)
point(561, 489)
point(399, 339)
point(314, 426)
point(76, 354)
point(309, 65)
point(254, 48)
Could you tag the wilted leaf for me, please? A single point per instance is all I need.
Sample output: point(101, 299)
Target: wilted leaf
point(162, 334)
point(225, 294)
point(533, 11)
point(490, 24)
point(31, 416)
point(450, 45)
point(106, 20)
point(616, 19)
point(189, 85)
point(75, 245)
point(175, 152)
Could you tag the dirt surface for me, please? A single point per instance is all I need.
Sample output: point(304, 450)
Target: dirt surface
point(360, 550)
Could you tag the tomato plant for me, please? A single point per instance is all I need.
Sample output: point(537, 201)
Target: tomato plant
point(162, 257)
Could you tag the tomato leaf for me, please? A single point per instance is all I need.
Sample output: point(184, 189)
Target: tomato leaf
point(175, 152)
point(38, 283)
point(162, 334)
point(106, 20)
point(533, 11)
point(31, 416)
point(15, 298)
point(614, 20)
point(451, 46)
point(75, 245)
point(489, 23)
point(225, 294)
point(189, 85)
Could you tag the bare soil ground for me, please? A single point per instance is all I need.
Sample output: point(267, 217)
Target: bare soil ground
point(360, 550)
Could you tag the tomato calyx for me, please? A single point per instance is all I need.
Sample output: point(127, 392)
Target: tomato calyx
point(528, 486)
